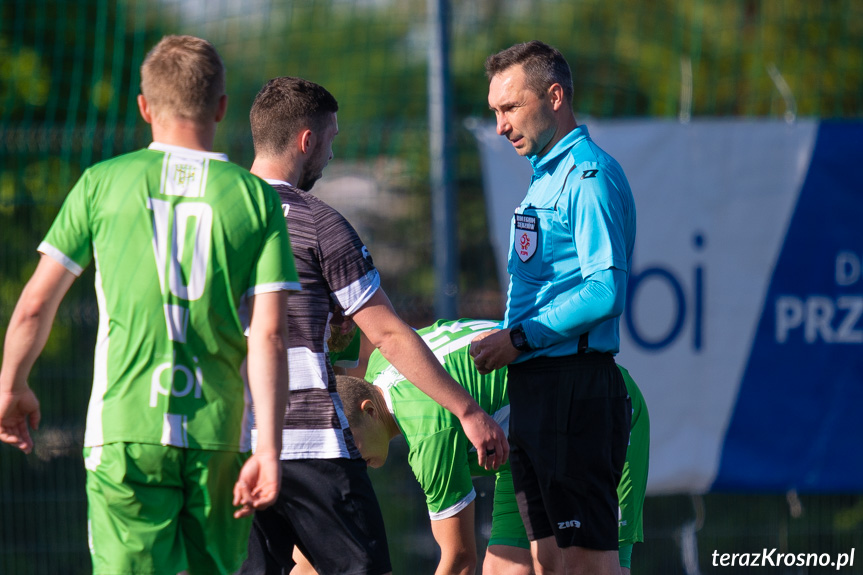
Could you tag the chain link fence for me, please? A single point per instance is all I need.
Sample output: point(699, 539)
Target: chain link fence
point(69, 76)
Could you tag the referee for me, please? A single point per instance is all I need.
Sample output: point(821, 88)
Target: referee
point(572, 238)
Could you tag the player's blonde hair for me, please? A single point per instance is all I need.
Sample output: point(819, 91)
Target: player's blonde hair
point(353, 391)
point(183, 77)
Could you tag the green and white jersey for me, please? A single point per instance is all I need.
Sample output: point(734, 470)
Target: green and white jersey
point(180, 238)
point(440, 454)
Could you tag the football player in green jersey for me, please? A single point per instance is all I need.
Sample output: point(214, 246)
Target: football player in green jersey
point(444, 463)
point(189, 250)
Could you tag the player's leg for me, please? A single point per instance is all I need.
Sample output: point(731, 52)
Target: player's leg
point(270, 541)
point(302, 565)
point(135, 495)
point(633, 482)
point(215, 541)
point(335, 516)
point(508, 551)
point(625, 555)
point(547, 557)
point(507, 560)
point(583, 561)
point(456, 538)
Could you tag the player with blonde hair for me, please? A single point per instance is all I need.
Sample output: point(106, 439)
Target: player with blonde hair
point(444, 463)
point(189, 250)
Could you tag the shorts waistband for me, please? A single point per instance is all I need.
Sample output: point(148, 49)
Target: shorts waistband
point(543, 363)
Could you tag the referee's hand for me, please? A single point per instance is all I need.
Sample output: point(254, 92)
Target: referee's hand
point(492, 350)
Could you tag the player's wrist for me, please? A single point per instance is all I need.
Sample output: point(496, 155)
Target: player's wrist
point(267, 446)
point(14, 387)
point(468, 409)
point(266, 453)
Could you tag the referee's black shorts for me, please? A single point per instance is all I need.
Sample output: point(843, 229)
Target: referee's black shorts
point(327, 508)
point(569, 428)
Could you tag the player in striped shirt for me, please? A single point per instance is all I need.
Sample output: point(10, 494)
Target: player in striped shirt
point(327, 507)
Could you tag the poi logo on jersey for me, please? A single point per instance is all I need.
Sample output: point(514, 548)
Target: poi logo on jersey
point(175, 380)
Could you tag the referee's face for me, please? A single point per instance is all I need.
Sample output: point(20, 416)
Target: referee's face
point(525, 119)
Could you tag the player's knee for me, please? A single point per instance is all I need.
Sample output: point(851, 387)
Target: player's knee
point(463, 562)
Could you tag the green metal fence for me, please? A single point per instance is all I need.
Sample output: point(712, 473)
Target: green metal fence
point(68, 82)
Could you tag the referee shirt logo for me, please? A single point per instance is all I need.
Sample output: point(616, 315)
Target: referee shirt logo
point(525, 236)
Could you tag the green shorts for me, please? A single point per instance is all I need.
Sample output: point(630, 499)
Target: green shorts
point(161, 509)
point(507, 527)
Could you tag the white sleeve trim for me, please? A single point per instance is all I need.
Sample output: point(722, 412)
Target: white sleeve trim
point(452, 510)
point(354, 296)
point(271, 287)
point(60, 258)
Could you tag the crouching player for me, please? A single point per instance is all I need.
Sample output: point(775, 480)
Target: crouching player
point(444, 461)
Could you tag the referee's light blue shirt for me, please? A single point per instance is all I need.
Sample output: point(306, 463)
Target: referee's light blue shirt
point(577, 219)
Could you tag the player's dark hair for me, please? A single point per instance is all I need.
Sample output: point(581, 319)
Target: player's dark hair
point(283, 108)
point(542, 64)
point(353, 391)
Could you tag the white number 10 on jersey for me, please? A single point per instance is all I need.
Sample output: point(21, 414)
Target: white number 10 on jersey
point(186, 264)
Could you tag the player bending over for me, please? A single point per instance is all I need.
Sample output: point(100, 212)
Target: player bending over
point(444, 461)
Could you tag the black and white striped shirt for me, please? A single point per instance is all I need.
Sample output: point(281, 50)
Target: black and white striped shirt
point(335, 270)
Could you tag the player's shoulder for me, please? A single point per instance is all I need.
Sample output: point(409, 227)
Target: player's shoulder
point(322, 210)
point(122, 161)
point(335, 232)
point(288, 194)
point(230, 169)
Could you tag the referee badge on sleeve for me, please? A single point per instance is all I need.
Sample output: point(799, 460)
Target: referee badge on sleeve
point(526, 236)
